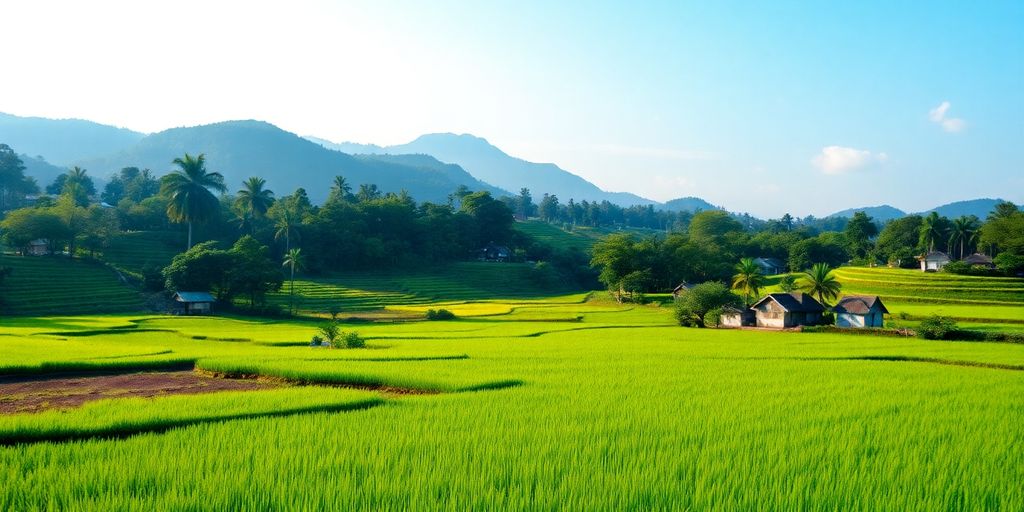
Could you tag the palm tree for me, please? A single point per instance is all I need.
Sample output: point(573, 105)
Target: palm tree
point(932, 230)
point(188, 189)
point(286, 224)
point(341, 189)
point(964, 230)
point(254, 199)
point(819, 281)
point(748, 279)
point(292, 259)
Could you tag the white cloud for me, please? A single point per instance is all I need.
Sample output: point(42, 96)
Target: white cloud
point(937, 115)
point(839, 159)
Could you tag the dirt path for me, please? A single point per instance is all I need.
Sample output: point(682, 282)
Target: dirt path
point(35, 394)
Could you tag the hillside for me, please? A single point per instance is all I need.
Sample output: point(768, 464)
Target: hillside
point(239, 149)
point(63, 141)
point(883, 213)
point(978, 207)
point(689, 204)
point(492, 165)
point(53, 285)
point(43, 171)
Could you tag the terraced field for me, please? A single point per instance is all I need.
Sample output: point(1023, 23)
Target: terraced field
point(537, 404)
point(55, 284)
point(580, 237)
point(356, 292)
point(133, 251)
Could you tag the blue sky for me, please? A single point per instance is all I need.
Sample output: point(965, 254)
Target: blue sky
point(767, 107)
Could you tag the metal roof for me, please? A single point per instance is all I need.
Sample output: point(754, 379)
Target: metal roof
point(194, 297)
point(795, 302)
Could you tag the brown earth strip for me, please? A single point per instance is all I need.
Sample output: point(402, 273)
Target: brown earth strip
point(38, 394)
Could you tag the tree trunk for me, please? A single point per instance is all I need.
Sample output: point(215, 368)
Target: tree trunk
point(291, 294)
point(189, 236)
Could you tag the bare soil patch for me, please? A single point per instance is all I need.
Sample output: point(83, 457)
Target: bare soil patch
point(34, 394)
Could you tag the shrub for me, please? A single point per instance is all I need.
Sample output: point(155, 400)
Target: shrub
point(937, 328)
point(316, 341)
point(694, 304)
point(713, 318)
point(440, 314)
point(353, 340)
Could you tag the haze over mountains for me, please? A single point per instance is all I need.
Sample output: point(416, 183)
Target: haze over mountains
point(429, 168)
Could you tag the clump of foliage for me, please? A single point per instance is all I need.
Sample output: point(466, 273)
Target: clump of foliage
point(245, 269)
point(335, 337)
point(316, 341)
point(440, 314)
point(965, 269)
point(330, 333)
point(693, 305)
point(788, 283)
point(937, 328)
point(353, 340)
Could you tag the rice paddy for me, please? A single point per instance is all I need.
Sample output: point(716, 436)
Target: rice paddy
point(44, 285)
point(568, 402)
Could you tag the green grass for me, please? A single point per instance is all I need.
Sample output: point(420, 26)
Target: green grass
point(355, 292)
point(133, 251)
point(49, 285)
point(582, 238)
point(619, 410)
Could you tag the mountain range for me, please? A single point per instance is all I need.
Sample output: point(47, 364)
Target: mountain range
point(492, 165)
point(430, 167)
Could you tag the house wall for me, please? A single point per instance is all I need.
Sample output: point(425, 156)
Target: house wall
point(732, 320)
point(850, 320)
point(770, 314)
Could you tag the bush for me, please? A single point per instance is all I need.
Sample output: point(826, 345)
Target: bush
point(330, 333)
point(440, 314)
point(937, 328)
point(354, 340)
point(316, 341)
point(963, 269)
point(713, 318)
point(693, 305)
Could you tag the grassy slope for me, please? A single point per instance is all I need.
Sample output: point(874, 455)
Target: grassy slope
point(58, 285)
point(133, 251)
point(456, 282)
point(580, 237)
point(607, 417)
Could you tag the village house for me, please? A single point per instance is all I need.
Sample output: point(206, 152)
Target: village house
point(679, 290)
point(770, 266)
point(980, 260)
point(782, 310)
point(859, 311)
point(195, 303)
point(38, 247)
point(493, 252)
point(933, 261)
point(733, 317)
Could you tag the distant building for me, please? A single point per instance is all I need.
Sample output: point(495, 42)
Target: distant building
point(978, 259)
point(933, 261)
point(781, 310)
point(678, 290)
point(494, 252)
point(770, 266)
point(860, 311)
point(195, 303)
point(38, 247)
point(733, 317)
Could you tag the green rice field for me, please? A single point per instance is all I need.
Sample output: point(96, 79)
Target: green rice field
point(563, 402)
point(42, 285)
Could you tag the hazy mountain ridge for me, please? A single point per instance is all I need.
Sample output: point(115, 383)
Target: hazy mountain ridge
point(884, 213)
point(239, 149)
point(492, 165)
point(63, 141)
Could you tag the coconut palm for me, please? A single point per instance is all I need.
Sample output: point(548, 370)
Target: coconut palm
point(964, 231)
point(748, 279)
point(254, 200)
point(819, 281)
point(933, 229)
point(188, 191)
point(293, 260)
point(341, 189)
point(286, 223)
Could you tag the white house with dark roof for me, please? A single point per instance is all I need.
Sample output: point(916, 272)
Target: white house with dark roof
point(859, 311)
point(781, 310)
point(933, 261)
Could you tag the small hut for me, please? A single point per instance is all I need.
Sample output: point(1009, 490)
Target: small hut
point(859, 311)
point(734, 317)
point(782, 310)
point(980, 260)
point(195, 303)
point(933, 261)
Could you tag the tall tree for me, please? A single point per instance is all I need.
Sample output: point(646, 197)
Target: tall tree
point(14, 185)
point(254, 199)
point(933, 230)
point(819, 281)
point(859, 232)
point(292, 260)
point(964, 231)
point(340, 190)
point(188, 191)
point(748, 279)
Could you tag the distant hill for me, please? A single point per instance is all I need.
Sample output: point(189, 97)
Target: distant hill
point(492, 165)
point(43, 171)
point(689, 204)
point(977, 207)
point(239, 149)
point(883, 213)
point(63, 141)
